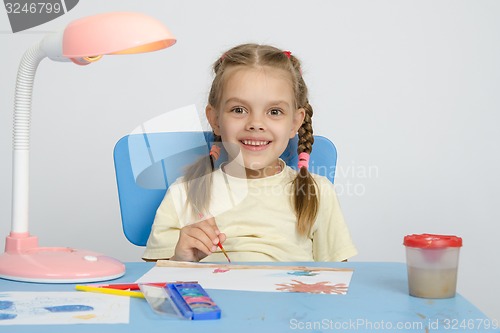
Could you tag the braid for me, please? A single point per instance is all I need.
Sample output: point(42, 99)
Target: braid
point(199, 182)
point(305, 199)
point(306, 138)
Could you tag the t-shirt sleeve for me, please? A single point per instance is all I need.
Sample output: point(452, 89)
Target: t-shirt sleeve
point(164, 231)
point(331, 237)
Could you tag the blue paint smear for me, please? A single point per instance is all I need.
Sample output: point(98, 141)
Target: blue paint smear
point(4, 305)
point(69, 308)
point(303, 273)
point(7, 316)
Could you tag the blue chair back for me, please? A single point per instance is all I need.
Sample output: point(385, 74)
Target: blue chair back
point(147, 163)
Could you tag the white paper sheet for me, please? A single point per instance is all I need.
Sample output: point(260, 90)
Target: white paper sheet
point(58, 308)
point(319, 280)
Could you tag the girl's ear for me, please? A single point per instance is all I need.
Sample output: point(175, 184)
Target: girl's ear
point(213, 119)
point(298, 119)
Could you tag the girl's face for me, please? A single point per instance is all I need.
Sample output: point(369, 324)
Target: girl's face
point(256, 118)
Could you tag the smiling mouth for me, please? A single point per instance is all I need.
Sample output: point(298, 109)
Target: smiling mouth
point(255, 143)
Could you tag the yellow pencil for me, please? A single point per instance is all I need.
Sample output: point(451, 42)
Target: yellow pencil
point(110, 291)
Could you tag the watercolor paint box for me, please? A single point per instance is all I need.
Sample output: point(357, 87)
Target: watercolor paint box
point(184, 300)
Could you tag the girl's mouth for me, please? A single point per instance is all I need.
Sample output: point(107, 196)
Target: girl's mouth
point(255, 144)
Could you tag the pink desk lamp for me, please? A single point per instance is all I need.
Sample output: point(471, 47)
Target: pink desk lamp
point(83, 41)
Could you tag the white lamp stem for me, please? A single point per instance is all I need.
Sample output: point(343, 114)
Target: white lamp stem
point(21, 140)
point(20, 191)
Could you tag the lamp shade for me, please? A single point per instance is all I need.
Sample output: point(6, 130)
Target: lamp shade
point(115, 33)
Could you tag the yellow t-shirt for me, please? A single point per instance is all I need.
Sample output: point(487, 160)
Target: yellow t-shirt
point(258, 219)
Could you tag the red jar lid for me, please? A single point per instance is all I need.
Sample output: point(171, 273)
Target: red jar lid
point(432, 241)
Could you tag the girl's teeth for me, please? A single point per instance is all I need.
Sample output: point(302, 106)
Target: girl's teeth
point(255, 143)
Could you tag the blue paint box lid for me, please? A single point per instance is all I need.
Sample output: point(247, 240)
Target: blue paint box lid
point(183, 300)
point(192, 301)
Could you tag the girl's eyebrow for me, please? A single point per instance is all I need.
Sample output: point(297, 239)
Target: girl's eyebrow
point(242, 101)
point(235, 100)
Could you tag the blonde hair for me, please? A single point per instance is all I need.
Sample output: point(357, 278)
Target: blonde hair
point(198, 176)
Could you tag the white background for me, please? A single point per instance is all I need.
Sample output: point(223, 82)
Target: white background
point(408, 91)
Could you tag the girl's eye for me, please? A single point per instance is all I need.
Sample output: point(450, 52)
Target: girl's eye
point(238, 110)
point(275, 112)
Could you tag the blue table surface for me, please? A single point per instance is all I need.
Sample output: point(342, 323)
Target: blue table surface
point(377, 301)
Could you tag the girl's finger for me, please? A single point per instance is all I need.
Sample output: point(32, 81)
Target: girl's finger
point(210, 228)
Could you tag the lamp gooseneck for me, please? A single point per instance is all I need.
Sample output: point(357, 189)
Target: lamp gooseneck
point(21, 137)
point(51, 47)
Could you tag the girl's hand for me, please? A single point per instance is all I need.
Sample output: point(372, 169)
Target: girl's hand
point(198, 240)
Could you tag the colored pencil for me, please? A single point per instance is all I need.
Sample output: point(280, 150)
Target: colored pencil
point(128, 286)
point(110, 291)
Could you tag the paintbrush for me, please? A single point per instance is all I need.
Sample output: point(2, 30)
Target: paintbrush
point(224, 251)
point(200, 215)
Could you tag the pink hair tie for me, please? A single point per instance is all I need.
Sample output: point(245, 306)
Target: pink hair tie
point(215, 152)
point(288, 54)
point(303, 160)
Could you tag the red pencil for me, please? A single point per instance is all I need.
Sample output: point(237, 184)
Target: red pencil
point(135, 286)
point(128, 286)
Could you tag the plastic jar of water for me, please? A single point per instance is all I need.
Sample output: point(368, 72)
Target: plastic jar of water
point(432, 262)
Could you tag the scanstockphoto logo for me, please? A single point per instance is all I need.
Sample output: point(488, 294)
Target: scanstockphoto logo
point(25, 14)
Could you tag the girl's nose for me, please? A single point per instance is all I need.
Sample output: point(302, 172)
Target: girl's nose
point(255, 124)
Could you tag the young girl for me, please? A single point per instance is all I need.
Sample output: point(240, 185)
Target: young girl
point(258, 208)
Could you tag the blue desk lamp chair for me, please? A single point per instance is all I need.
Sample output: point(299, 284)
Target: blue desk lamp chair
point(147, 163)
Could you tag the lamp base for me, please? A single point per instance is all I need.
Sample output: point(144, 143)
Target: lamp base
point(57, 265)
